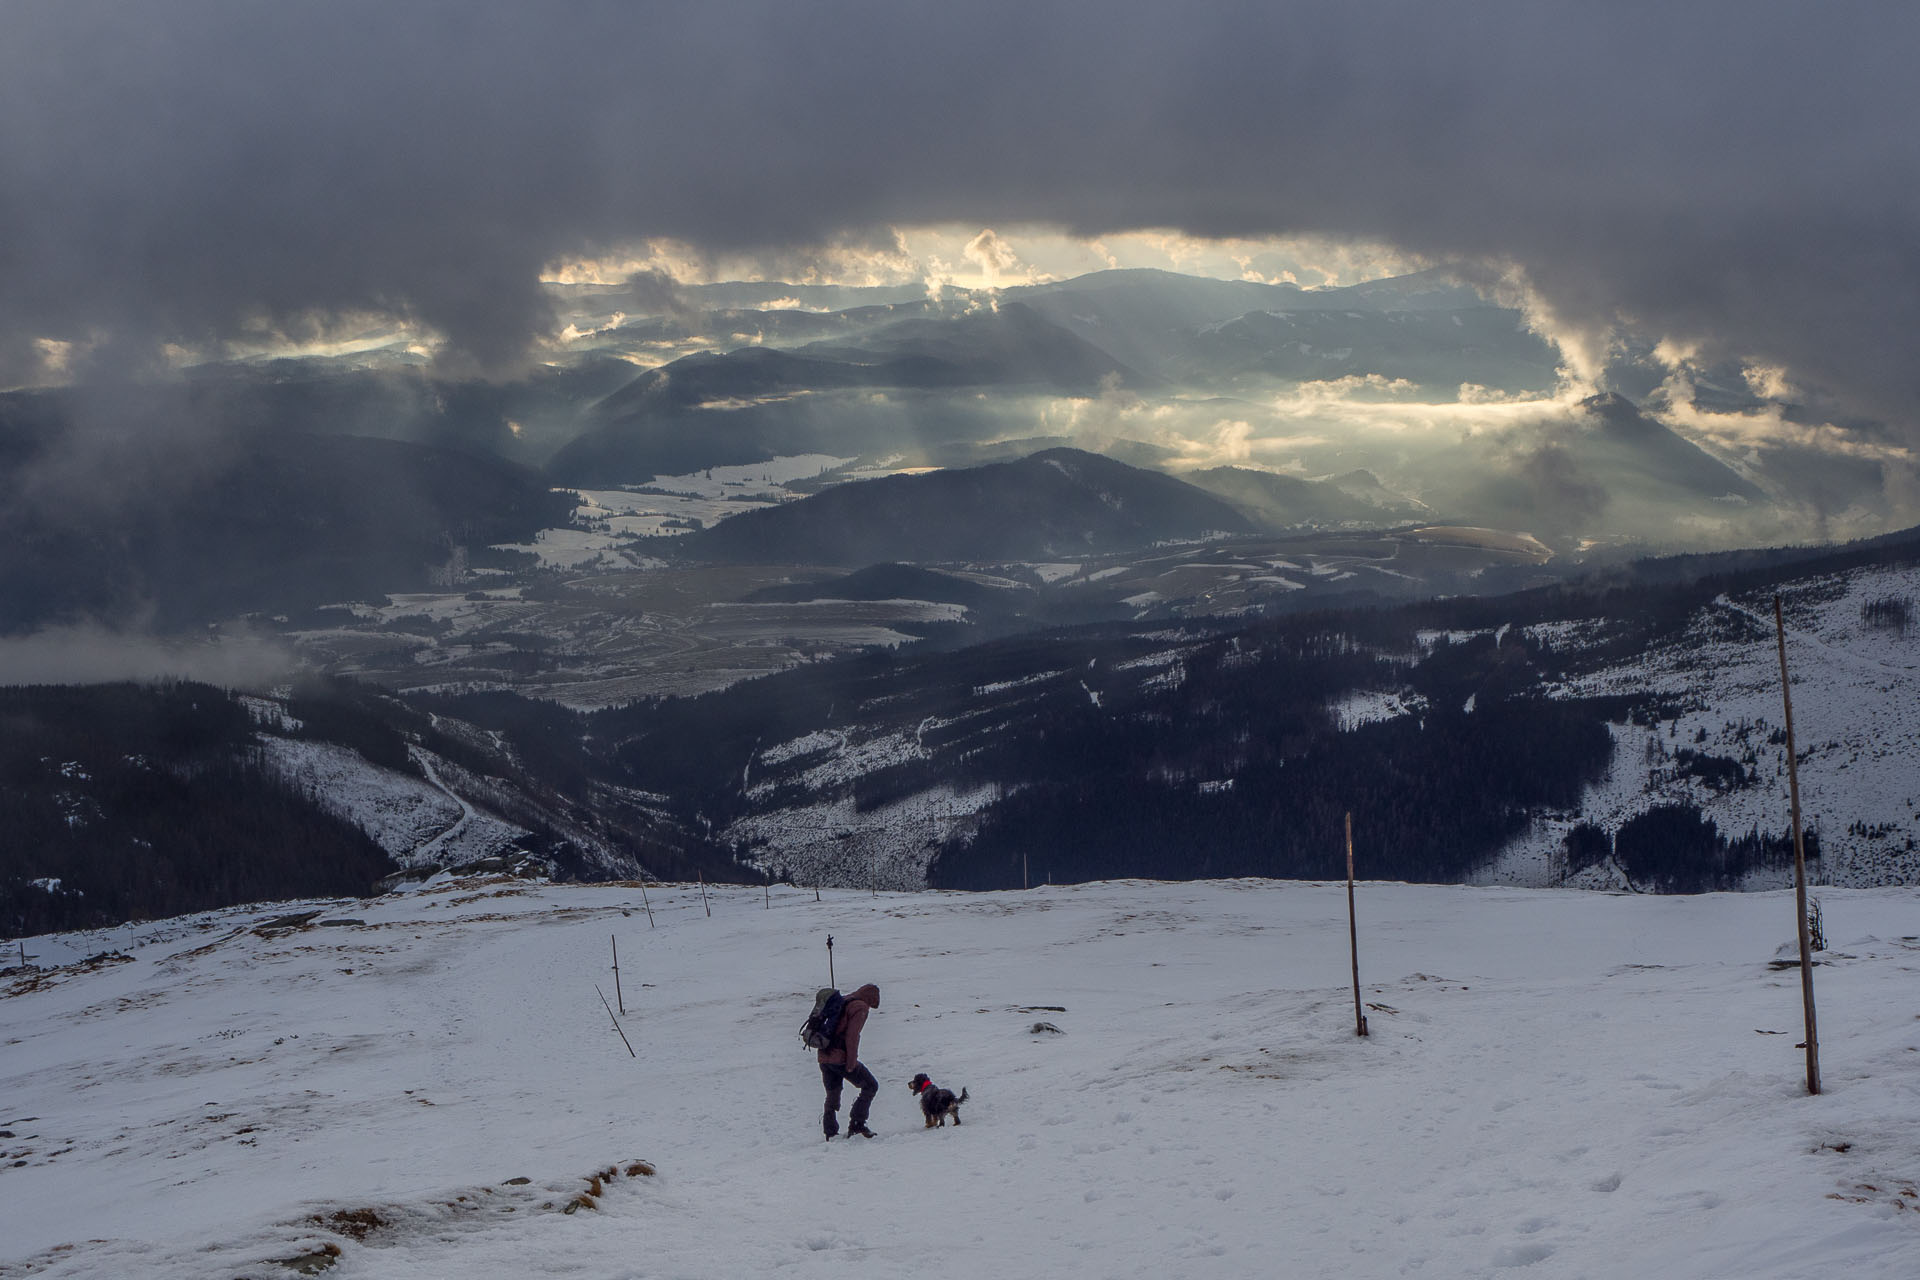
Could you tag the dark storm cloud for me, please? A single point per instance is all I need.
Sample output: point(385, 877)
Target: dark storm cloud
point(1738, 175)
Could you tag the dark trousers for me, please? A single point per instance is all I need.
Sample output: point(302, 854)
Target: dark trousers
point(862, 1078)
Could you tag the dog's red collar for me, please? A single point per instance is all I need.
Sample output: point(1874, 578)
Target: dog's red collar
point(925, 1088)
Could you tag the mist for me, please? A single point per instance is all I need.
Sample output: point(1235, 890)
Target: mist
point(98, 655)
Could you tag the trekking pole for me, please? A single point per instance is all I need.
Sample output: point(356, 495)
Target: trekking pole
point(1353, 936)
point(616, 1022)
point(616, 973)
point(830, 981)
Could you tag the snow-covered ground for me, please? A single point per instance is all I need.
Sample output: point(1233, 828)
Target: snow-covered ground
point(665, 505)
point(753, 477)
point(1557, 1084)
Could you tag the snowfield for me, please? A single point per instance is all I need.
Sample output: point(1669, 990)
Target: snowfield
point(1557, 1084)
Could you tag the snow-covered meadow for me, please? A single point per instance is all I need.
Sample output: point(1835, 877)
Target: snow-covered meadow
point(1557, 1084)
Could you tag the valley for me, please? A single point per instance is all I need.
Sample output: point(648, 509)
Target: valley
point(943, 594)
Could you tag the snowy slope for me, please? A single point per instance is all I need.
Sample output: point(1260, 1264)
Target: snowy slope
point(418, 821)
point(1569, 1083)
point(1856, 699)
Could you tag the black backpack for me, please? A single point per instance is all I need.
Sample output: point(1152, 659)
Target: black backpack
point(823, 1023)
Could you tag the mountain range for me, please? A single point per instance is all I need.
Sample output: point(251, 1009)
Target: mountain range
point(1149, 366)
point(1622, 732)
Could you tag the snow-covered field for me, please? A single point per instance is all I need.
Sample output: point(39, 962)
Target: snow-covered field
point(1558, 1084)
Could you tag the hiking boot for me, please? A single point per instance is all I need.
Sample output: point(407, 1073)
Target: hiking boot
point(859, 1127)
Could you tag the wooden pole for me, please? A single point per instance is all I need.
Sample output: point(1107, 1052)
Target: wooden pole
point(1353, 937)
point(648, 905)
point(616, 1022)
point(616, 974)
point(703, 895)
point(1799, 859)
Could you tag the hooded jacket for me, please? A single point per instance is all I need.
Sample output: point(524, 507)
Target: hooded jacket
point(845, 1049)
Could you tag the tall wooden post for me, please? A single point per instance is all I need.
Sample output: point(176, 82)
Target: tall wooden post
point(645, 902)
point(1353, 937)
point(703, 895)
point(616, 975)
point(1799, 859)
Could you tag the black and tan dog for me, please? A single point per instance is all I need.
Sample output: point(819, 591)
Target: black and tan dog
point(936, 1104)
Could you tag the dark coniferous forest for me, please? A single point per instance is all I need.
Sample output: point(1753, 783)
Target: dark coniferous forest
point(127, 801)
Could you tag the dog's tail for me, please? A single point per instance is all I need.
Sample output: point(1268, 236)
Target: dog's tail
point(963, 1096)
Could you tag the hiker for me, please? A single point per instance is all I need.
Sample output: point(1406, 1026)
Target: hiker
point(840, 1060)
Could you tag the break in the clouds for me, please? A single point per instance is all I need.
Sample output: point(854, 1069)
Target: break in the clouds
point(1739, 179)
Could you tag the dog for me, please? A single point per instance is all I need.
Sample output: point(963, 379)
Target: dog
point(936, 1104)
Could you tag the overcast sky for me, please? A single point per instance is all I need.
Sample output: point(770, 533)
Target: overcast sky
point(1740, 177)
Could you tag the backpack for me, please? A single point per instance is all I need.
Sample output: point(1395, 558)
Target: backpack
point(818, 1031)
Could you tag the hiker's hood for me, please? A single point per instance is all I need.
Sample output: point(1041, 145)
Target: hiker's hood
point(868, 995)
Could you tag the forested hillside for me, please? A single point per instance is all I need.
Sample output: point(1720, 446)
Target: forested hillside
point(138, 801)
point(1621, 731)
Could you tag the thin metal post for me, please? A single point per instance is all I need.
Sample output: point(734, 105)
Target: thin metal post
point(616, 974)
point(1799, 859)
point(616, 1022)
point(1353, 937)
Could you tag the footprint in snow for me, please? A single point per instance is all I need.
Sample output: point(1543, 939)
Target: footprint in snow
point(1522, 1255)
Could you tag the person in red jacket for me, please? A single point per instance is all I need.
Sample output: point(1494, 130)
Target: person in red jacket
point(840, 1061)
